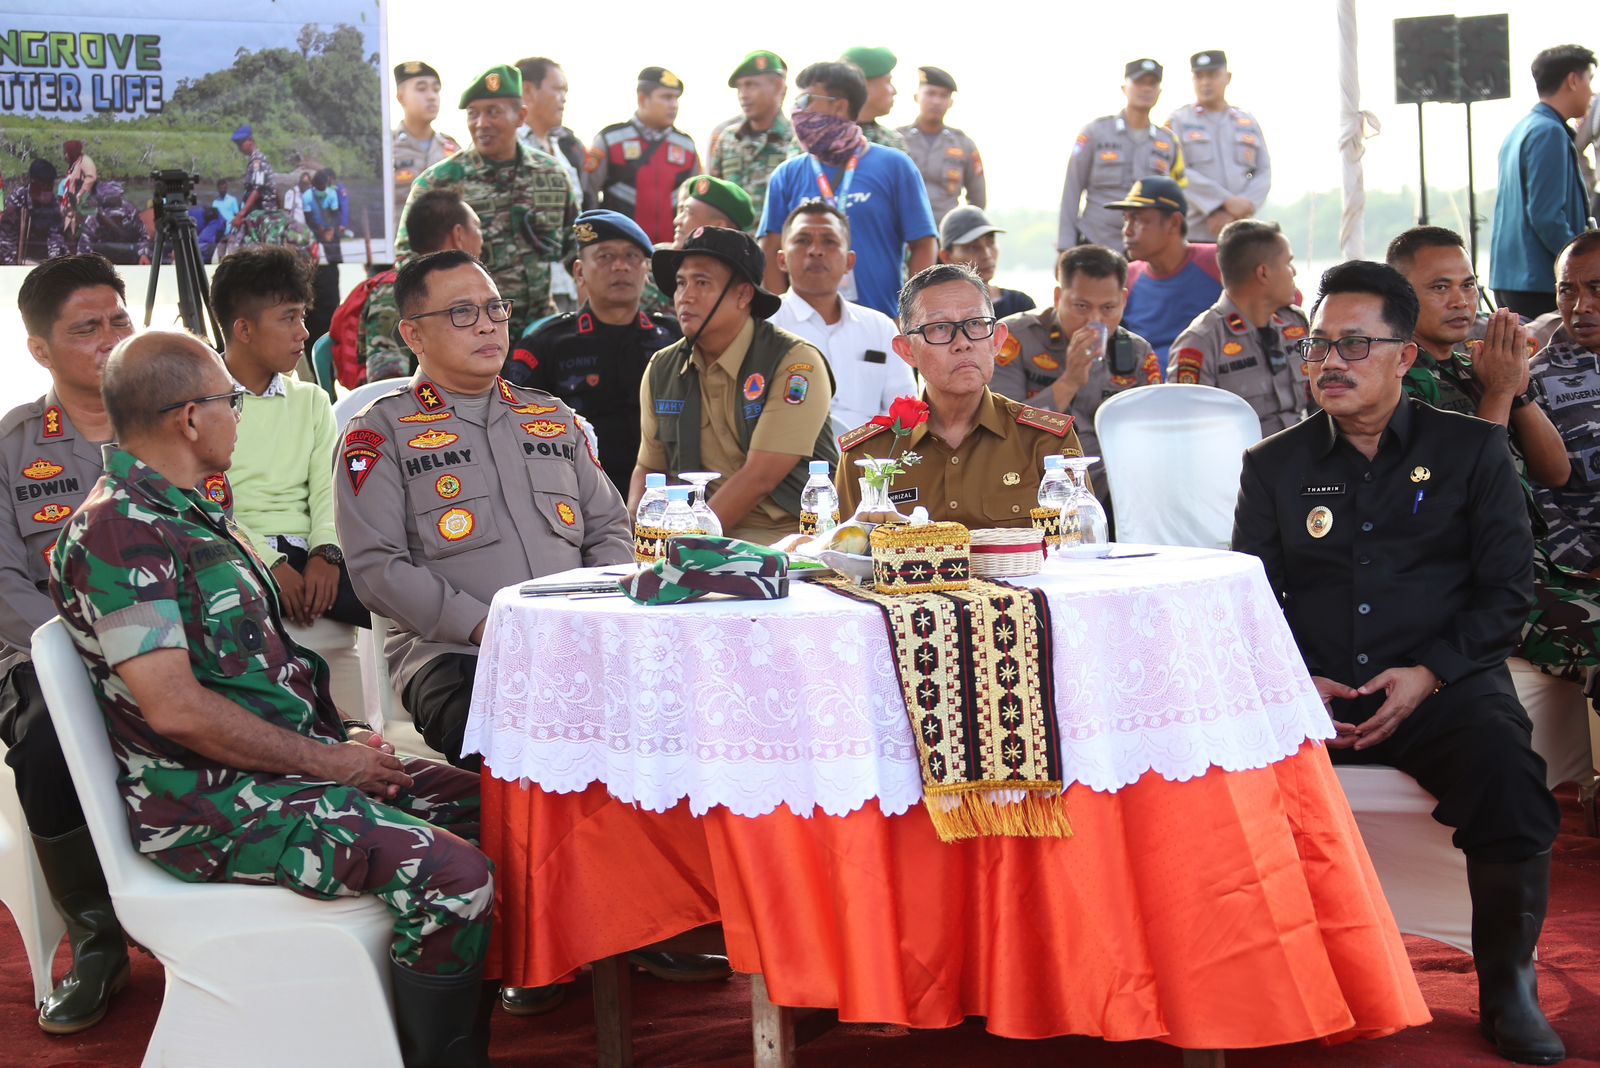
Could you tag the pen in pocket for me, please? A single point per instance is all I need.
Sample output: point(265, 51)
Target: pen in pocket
point(1417, 503)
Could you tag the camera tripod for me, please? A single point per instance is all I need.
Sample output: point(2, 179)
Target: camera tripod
point(174, 196)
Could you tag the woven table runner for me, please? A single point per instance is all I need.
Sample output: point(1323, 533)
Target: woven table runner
point(974, 665)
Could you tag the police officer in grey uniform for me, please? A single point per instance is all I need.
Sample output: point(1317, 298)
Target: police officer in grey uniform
point(1109, 154)
point(1244, 343)
point(418, 145)
point(947, 157)
point(1054, 357)
point(72, 307)
point(458, 483)
point(1229, 170)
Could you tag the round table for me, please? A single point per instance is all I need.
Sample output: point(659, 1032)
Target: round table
point(650, 770)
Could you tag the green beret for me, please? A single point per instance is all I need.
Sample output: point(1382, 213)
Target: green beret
point(759, 62)
point(723, 195)
point(874, 62)
point(494, 84)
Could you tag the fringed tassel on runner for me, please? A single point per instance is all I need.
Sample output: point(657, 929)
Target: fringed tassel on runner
point(1042, 813)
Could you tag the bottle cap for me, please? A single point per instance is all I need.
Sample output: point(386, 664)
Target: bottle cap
point(678, 493)
point(1055, 461)
point(655, 480)
point(819, 467)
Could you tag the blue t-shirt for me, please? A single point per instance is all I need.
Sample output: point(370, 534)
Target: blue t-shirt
point(888, 208)
point(1161, 307)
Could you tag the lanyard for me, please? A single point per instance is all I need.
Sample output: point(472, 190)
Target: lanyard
point(826, 187)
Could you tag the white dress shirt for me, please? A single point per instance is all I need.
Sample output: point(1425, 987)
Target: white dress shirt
point(865, 385)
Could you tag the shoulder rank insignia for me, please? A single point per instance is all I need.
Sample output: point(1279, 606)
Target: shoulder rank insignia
point(866, 431)
point(428, 397)
point(1237, 324)
point(52, 422)
point(1050, 422)
point(505, 390)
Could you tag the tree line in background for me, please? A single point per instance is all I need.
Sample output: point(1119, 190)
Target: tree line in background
point(320, 102)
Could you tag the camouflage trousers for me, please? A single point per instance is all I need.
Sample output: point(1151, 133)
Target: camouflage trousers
point(415, 854)
point(1562, 635)
point(273, 226)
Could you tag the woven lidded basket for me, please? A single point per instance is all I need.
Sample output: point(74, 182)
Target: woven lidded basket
point(1007, 552)
point(920, 559)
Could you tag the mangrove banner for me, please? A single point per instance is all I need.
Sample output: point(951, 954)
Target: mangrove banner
point(277, 107)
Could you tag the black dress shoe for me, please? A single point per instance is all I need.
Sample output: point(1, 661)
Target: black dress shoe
point(682, 967)
point(532, 1000)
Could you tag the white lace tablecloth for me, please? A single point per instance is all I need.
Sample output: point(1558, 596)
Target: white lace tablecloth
point(1174, 663)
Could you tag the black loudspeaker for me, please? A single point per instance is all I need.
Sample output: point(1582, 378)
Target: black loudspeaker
point(1426, 63)
point(1485, 58)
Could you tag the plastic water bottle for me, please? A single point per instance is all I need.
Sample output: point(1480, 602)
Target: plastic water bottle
point(819, 501)
point(678, 518)
point(1056, 486)
point(654, 501)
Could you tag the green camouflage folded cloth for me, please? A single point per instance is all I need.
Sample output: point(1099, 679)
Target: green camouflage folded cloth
point(696, 565)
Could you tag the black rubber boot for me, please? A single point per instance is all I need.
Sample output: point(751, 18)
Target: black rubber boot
point(99, 949)
point(1508, 909)
point(442, 1021)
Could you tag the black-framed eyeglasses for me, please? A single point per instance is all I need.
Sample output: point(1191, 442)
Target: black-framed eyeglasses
point(465, 315)
point(804, 100)
point(1352, 347)
point(977, 328)
point(234, 397)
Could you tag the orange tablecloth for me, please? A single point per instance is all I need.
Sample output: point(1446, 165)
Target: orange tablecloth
point(1233, 910)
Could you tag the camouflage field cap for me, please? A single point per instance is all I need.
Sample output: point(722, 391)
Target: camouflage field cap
point(494, 84)
point(696, 565)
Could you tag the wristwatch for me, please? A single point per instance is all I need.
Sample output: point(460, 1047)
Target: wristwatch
point(331, 553)
point(1521, 400)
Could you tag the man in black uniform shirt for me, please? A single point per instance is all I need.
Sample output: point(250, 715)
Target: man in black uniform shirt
point(1396, 536)
point(594, 358)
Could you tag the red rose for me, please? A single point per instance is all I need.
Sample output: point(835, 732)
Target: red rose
point(906, 413)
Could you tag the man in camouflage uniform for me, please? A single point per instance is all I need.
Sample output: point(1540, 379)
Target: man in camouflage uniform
point(72, 307)
point(521, 196)
point(982, 453)
point(417, 145)
point(1072, 356)
point(746, 149)
point(30, 226)
point(1110, 154)
point(947, 157)
point(114, 228)
point(1229, 170)
point(877, 67)
point(1245, 342)
point(1563, 633)
point(234, 762)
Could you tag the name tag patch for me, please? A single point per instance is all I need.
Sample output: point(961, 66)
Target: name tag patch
point(669, 407)
point(1322, 489)
point(903, 496)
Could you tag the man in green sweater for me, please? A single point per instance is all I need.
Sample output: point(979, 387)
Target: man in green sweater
point(282, 472)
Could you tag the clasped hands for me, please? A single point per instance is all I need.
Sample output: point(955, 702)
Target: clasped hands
point(1404, 688)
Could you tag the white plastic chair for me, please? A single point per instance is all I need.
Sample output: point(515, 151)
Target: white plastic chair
point(1423, 875)
point(23, 890)
point(385, 713)
point(235, 955)
point(1560, 715)
point(1173, 454)
point(347, 406)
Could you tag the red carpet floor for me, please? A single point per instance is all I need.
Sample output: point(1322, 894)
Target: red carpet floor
point(708, 1025)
